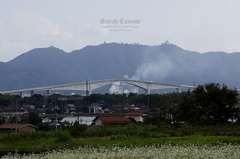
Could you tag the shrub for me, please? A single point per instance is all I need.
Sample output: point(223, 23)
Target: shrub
point(89, 132)
point(100, 130)
point(76, 129)
point(63, 136)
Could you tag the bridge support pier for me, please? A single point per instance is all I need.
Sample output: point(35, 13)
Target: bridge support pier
point(147, 91)
point(178, 90)
point(32, 93)
point(88, 89)
point(21, 94)
point(48, 92)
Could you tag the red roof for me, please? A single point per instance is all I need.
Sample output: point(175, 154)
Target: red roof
point(135, 113)
point(8, 109)
point(13, 126)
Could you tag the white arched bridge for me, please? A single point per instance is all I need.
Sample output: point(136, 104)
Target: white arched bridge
point(88, 86)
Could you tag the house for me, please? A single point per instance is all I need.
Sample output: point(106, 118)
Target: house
point(50, 118)
point(54, 124)
point(142, 106)
point(131, 108)
point(96, 107)
point(53, 120)
point(87, 120)
point(27, 108)
point(118, 108)
point(40, 108)
point(18, 127)
point(8, 109)
point(74, 110)
point(138, 116)
point(51, 107)
point(107, 110)
point(70, 108)
point(113, 120)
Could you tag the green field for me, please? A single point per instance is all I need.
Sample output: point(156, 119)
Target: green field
point(140, 138)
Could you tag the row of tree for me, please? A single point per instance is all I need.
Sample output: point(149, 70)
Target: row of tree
point(58, 99)
point(208, 104)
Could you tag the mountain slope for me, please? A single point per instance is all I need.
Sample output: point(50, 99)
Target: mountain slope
point(166, 63)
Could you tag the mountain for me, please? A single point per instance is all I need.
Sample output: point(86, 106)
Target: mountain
point(165, 63)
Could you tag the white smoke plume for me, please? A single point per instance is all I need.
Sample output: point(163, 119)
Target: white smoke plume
point(155, 67)
point(125, 77)
point(116, 88)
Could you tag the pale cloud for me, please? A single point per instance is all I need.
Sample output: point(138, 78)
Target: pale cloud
point(24, 31)
point(29, 23)
point(197, 26)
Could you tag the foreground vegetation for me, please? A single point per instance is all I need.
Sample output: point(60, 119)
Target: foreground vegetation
point(221, 151)
point(141, 141)
point(119, 136)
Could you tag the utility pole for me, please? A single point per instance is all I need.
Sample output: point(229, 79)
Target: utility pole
point(55, 115)
point(55, 120)
point(87, 91)
point(16, 113)
point(11, 117)
point(126, 92)
point(148, 103)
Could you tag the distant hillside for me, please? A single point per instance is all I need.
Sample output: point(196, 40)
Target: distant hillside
point(166, 63)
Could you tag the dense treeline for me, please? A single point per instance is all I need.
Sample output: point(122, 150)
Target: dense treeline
point(209, 104)
point(108, 99)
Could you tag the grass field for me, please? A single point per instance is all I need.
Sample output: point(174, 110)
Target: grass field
point(48, 144)
point(190, 151)
point(192, 141)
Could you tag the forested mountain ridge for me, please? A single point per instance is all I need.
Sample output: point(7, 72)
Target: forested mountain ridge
point(165, 63)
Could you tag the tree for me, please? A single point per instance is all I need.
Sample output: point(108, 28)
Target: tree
point(186, 110)
point(160, 113)
point(34, 119)
point(210, 104)
point(2, 120)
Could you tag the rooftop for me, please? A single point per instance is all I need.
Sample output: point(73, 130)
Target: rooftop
point(14, 126)
point(135, 113)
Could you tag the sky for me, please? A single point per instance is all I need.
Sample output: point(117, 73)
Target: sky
point(199, 25)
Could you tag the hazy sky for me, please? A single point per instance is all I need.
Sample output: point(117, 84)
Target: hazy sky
point(196, 25)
